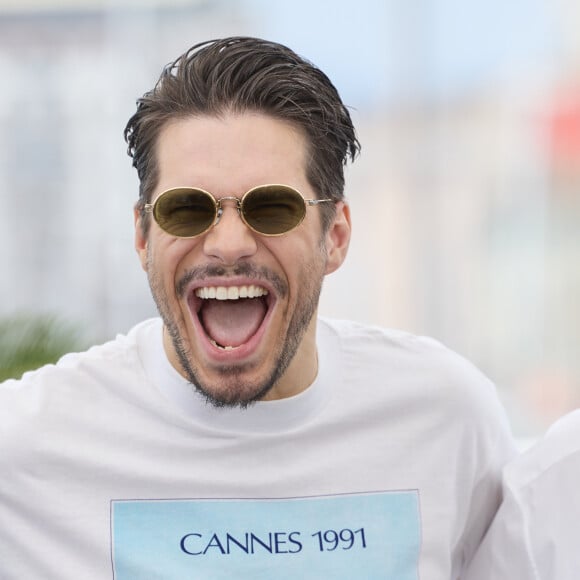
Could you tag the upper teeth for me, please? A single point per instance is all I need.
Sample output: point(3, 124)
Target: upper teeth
point(230, 292)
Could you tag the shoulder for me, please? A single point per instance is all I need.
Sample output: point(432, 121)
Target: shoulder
point(422, 382)
point(402, 357)
point(554, 459)
point(443, 404)
point(359, 336)
point(99, 357)
point(72, 382)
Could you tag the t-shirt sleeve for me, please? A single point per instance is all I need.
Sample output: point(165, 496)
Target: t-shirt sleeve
point(496, 449)
point(505, 553)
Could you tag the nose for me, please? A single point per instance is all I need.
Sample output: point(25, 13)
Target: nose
point(229, 240)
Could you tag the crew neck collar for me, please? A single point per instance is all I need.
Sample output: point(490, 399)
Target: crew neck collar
point(262, 416)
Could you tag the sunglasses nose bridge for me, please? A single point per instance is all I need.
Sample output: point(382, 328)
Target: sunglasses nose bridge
point(220, 209)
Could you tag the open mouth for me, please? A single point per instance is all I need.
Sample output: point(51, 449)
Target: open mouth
point(231, 315)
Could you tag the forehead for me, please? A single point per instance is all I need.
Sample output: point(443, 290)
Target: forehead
point(231, 153)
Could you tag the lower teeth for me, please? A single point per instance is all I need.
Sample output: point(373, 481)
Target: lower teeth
point(220, 346)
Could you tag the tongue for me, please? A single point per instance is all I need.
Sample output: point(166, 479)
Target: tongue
point(232, 322)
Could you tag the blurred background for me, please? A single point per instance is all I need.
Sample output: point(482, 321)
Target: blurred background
point(465, 200)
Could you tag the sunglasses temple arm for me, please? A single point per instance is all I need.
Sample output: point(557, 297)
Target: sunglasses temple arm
point(318, 201)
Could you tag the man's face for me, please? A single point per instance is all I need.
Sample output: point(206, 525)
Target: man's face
point(243, 348)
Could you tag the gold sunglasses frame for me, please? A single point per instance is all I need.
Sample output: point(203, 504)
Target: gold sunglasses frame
point(239, 203)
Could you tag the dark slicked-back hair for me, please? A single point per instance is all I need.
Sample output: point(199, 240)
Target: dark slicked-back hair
point(238, 75)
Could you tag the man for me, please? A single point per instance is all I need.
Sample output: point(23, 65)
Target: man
point(237, 436)
point(535, 533)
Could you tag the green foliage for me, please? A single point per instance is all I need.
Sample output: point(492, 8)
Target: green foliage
point(29, 342)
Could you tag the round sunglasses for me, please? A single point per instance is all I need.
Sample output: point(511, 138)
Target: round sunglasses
point(269, 210)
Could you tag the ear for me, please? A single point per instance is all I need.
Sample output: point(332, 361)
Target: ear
point(140, 238)
point(338, 238)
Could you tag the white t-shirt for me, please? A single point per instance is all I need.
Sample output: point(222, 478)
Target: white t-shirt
point(387, 466)
point(535, 535)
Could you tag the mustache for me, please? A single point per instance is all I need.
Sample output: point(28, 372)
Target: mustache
point(246, 269)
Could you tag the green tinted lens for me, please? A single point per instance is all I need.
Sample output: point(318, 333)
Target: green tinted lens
point(185, 212)
point(273, 210)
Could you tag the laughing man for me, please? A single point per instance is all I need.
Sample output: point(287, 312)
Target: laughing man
point(239, 436)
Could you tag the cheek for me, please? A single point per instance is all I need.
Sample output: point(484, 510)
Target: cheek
point(166, 260)
point(307, 268)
